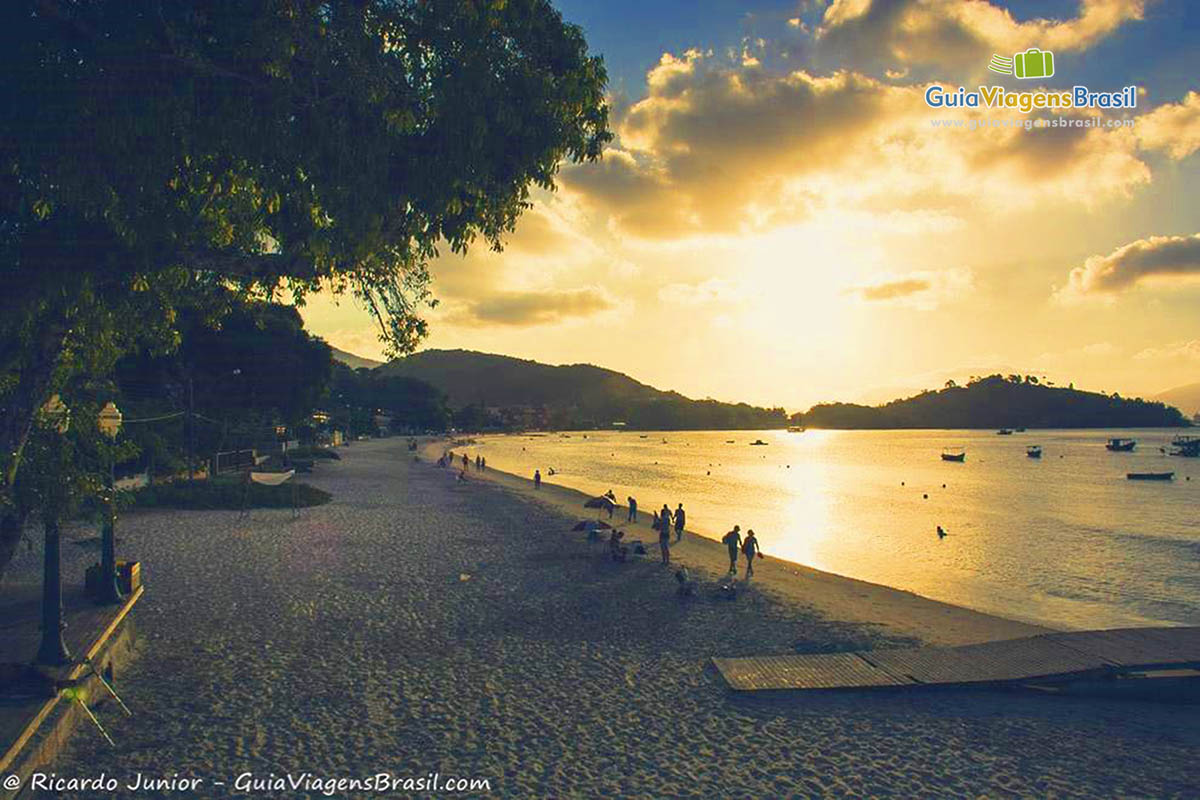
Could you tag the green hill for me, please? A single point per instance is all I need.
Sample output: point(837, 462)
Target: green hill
point(1185, 398)
point(354, 362)
point(573, 396)
point(998, 402)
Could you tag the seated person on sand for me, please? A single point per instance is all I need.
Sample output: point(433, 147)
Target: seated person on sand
point(687, 587)
point(616, 550)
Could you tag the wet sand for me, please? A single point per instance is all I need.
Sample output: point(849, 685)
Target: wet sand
point(419, 624)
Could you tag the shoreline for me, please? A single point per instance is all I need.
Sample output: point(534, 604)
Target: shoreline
point(420, 624)
point(834, 597)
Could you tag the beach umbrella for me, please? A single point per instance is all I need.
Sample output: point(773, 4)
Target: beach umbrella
point(591, 525)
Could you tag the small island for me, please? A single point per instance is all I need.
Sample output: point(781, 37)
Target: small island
point(999, 401)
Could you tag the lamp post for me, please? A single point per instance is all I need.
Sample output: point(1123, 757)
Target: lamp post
point(53, 651)
point(110, 592)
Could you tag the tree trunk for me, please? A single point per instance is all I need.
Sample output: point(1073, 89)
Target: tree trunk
point(16, 421)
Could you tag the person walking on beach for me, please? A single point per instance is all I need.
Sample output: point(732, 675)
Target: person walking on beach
point(679, 517)
point(466, 463)
point(482, 464)
point(733, 541)
point(537, 479)
point(632, 509)
point(664, 534)
point(750, 550)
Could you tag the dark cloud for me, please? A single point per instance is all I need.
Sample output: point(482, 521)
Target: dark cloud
point(1156, 257)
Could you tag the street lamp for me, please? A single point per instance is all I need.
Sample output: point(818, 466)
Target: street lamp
point(110, 592)
point(53, 651)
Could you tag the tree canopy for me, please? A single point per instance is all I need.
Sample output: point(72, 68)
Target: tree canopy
point(153, 152)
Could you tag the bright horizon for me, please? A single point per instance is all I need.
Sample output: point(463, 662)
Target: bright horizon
point(779, 222)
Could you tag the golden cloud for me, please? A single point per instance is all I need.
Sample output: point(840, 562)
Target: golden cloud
point(530, 308)
point(921, 290)
point(717, 147)
point(1185, 350)
point(1173, 127)
point(959, 34)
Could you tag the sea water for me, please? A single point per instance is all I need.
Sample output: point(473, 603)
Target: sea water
point(1065, 540)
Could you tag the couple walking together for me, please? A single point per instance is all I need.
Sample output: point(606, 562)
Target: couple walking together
point(748, 546)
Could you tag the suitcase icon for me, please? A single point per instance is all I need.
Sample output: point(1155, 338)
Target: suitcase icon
point(1033, 63)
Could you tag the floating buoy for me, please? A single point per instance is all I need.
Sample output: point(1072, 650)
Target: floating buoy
point(924, 497)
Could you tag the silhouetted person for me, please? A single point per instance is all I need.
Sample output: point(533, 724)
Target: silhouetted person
point(679, 518)
point(483, 463)
point(750, 550)
point(664, 534)
point(941, 533)
point(733, 541)
point(537, 479)
point(632, 509)
point(466, 463)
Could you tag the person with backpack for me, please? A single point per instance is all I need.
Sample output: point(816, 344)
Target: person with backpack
point(750, 550)
point(733, 541)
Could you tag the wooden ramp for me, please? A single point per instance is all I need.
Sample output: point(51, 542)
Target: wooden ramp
point(1048, 657)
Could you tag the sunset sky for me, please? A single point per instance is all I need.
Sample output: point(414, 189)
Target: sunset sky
point(779, 221)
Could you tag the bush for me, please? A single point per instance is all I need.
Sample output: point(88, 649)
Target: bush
point(314, 452)
point(228, 494)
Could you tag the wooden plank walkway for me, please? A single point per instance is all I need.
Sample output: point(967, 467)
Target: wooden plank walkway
point(1044, 657)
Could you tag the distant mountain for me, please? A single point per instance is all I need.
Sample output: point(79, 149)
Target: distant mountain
point(574, 396)
point(354, 362)
point(1185, 398)
point(997, 402)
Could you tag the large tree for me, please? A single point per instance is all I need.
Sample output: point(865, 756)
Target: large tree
point(150, 151)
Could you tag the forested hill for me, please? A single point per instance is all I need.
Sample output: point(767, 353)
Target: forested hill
point(573, 396)
point(354, 362)
point(999, 402)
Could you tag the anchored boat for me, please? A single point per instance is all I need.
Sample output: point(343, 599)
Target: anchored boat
point(1186, 446)
point(1150, 476)
point(1121, 445)
point(1034, 451)
point(954, 454)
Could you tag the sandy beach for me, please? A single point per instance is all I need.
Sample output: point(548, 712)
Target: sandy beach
point(419, 624)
